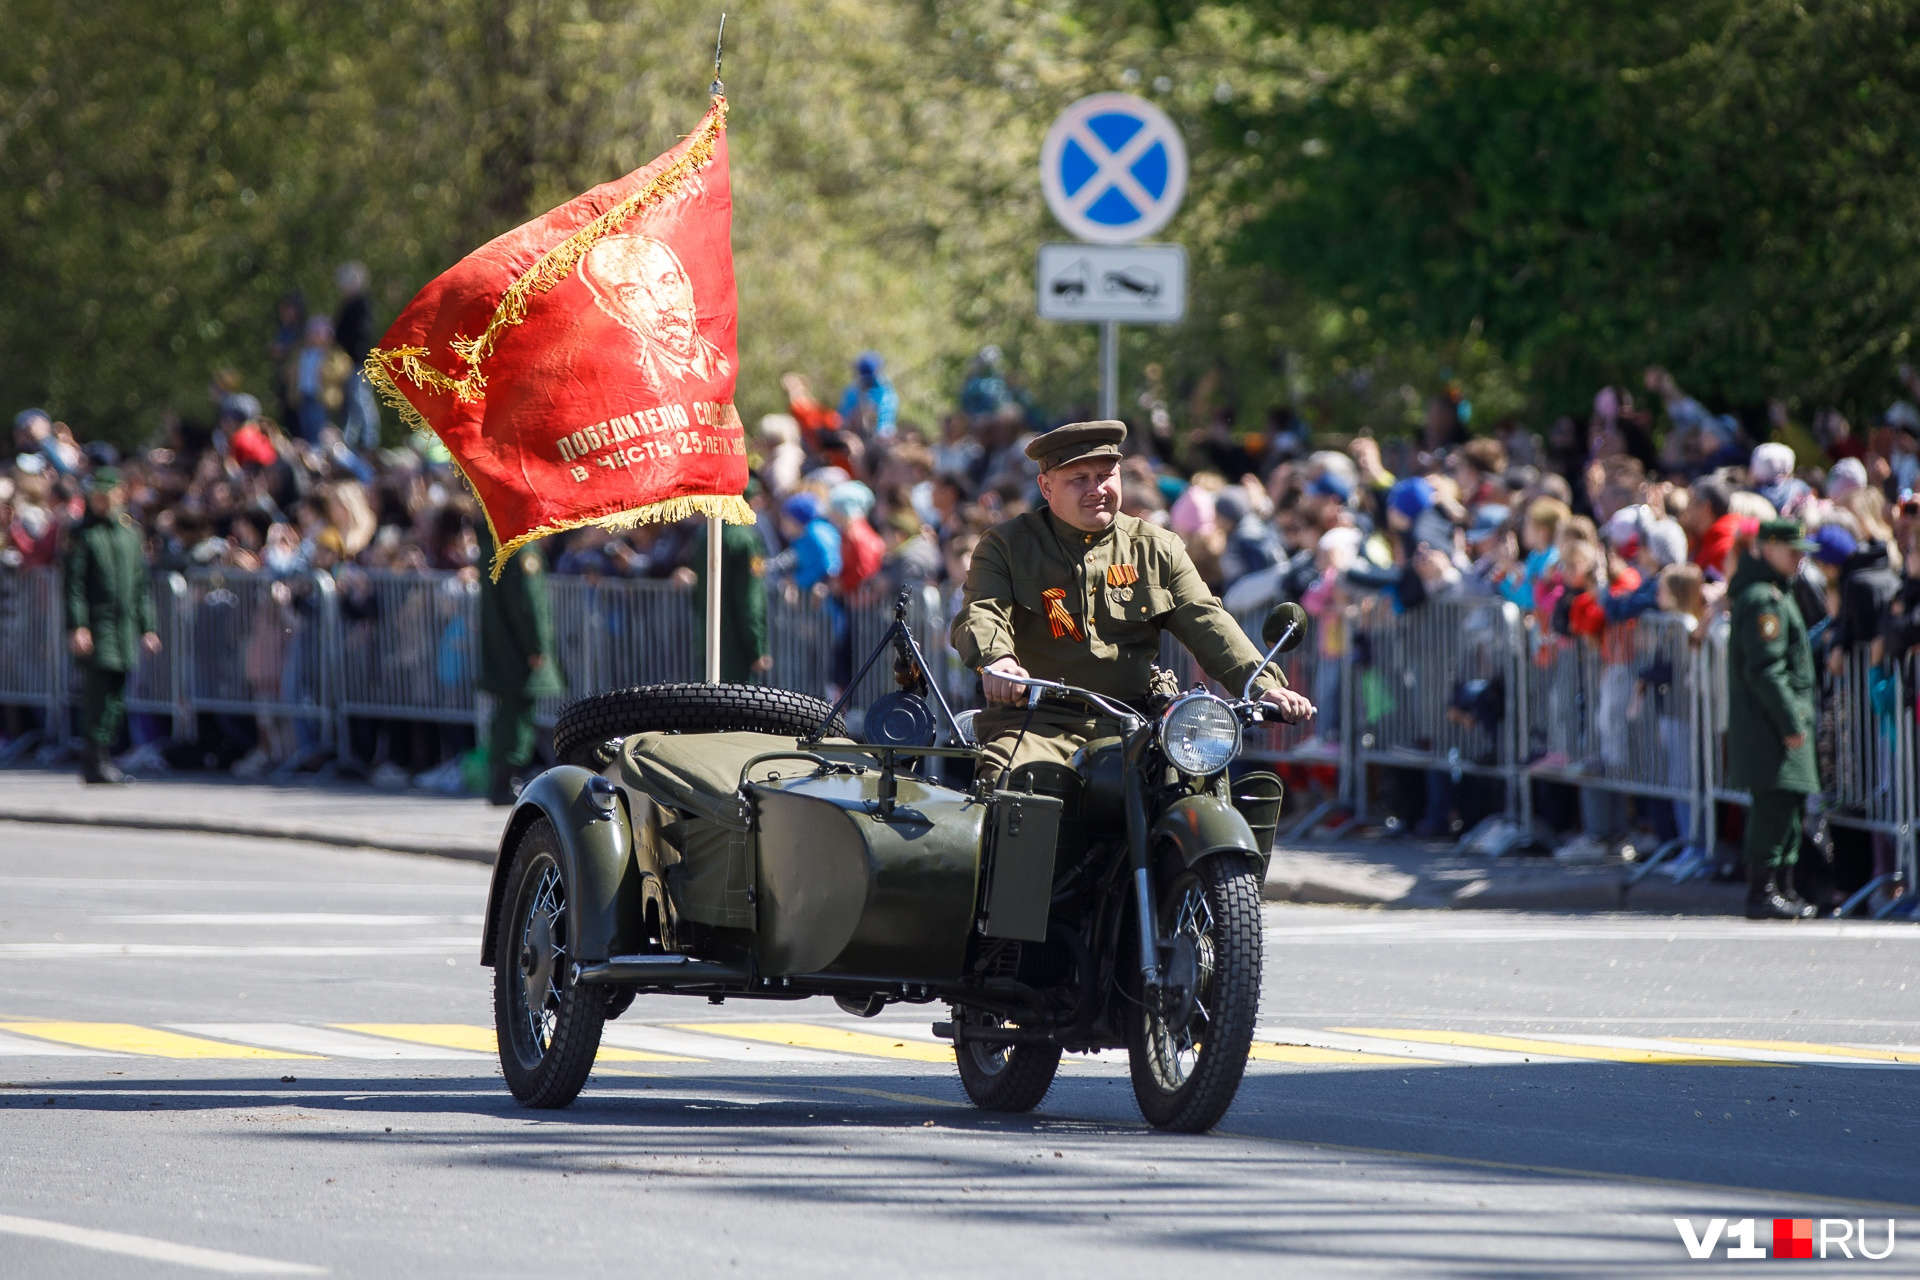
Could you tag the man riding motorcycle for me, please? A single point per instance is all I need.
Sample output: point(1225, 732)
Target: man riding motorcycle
point(1080, 593)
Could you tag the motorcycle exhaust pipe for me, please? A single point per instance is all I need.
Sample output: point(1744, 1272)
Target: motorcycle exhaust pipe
point(663, 971)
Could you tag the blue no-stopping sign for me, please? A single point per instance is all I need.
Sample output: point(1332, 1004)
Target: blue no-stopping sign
point(1113, 168)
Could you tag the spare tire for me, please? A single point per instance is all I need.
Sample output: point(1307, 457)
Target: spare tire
point(583, 730)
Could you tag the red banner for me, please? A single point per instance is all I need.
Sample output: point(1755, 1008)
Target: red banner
point(581, 368)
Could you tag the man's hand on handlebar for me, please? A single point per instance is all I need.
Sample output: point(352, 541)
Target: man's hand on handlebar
point(1002, 690)
point(1295, 708)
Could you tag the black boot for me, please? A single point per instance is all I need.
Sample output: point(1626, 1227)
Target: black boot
point(1766, 902)
point(98, 768)
point(500, 790)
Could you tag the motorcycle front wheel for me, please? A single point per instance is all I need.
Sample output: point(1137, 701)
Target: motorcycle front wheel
point(1187, 1061)
point(547, 1025)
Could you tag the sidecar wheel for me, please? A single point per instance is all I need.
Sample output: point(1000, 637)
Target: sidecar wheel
point(585, 726)
point(1186, 1067)
point(548, 1028)
point(1004, 1079)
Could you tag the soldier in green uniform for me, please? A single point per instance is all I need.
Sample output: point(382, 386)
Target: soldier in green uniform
point(743, 602)
point(1770, 716)
point(1079, 593)
point(516, 661)
point(109, 617)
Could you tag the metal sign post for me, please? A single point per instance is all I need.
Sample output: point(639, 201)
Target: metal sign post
point(1113, 169)
point(1109, 369)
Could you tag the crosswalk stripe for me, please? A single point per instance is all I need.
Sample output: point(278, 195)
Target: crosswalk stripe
point(125, 1037)
point(22, 1047)
point(325, 1041)
point(1436, 1054)
point(806, 1035)
point(650, 1038)
point(1821, 1050)
point(1314, 1055)
point(1551, 1048)
point(459, 1035)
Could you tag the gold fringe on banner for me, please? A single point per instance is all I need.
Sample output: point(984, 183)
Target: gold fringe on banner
point(667, 511)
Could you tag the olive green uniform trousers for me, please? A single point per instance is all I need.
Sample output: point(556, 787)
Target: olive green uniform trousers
point(1773, 829)
point(511, 737)
point(103, 706)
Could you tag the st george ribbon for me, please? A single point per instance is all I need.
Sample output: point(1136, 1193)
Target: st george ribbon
point(580, 369)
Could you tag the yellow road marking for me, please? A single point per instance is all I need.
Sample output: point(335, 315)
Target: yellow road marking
point(1550, 1048)
point(1311, 1055)
point(459, 1035)
point(1828, 1050)
point(804, 1035)
point(125, 1037)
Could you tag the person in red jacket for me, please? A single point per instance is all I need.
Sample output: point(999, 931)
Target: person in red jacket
point(1711, 525)
point(861, 547)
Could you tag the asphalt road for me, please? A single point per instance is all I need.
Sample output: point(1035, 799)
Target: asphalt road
point(225, 1056)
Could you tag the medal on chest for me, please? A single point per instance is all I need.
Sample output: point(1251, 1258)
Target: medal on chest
point(1120, 580)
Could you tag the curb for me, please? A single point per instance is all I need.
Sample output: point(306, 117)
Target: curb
point(463, 850)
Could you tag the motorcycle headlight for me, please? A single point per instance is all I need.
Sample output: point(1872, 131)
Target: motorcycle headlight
point(1200, 734)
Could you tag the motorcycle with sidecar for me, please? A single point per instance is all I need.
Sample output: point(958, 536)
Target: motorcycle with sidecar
point(732, 842)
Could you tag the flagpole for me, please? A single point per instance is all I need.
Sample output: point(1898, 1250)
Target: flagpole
point(715, 527)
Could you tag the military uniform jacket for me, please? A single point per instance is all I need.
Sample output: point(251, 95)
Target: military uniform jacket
point(1770, 684)
point(108, 589)
point(516, 622)
point(743, 598)
point(1088, 608)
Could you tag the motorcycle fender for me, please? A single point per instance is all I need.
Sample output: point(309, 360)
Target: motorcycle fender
point(596, 857)
point(1201, 826)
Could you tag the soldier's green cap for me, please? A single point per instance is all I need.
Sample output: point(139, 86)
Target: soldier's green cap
point(103, 479)
point(1077, 440)
point(1790, 532)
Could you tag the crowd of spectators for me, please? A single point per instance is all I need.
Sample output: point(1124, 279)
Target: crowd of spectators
point(1638, 508)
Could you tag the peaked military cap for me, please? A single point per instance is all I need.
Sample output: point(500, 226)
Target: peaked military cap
point(103, 479)
point(1077, 440)
point(1791, 532)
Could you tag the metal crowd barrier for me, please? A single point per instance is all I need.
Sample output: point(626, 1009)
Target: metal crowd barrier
point(1621, 717)
point(1457, 686)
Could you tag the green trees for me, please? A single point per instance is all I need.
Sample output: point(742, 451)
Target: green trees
point(1724, 186)
point(1528, 197)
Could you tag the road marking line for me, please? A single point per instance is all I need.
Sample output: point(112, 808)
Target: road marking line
point(125, 1037)
point(238, 1264)
point(806, 1035)
point(1759, 1052)
point(288, 917)
point(190, 951)
point(22, 1047)
point(651, 1038)
point(1832, 1050)
point(1437, 1053)
point(323, 1041)
point(745, 1082)
point(1314, 1055)
point(458, 1035)
point(1552, 1048)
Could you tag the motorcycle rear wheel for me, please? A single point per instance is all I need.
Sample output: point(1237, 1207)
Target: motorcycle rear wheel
point(1011, 1078)
point(547, 1025)
point(1185, 1076)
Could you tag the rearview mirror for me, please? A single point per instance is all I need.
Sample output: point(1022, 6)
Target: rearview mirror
point(1284, 616)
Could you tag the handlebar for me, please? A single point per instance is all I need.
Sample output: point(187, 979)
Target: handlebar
point(1038, 688)
point(1250, 709)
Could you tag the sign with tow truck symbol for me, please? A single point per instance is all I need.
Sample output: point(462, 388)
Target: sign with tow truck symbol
point(1129, 284)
